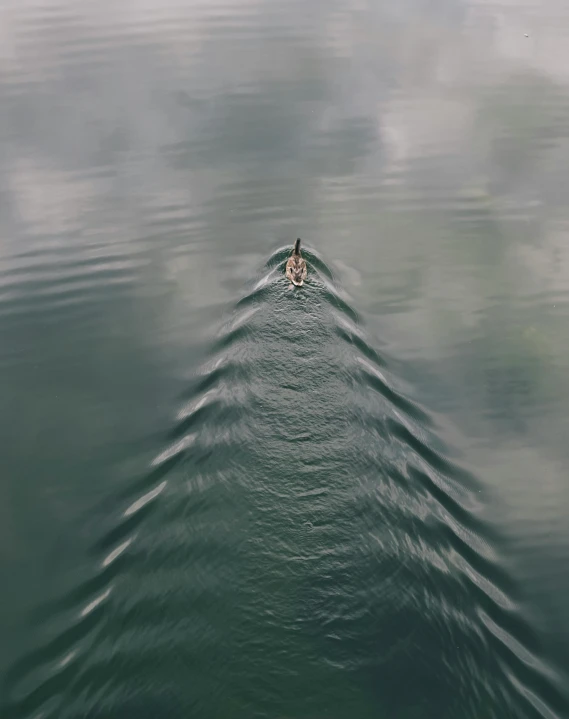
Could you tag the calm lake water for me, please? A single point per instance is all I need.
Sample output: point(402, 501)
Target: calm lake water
point(224, 499)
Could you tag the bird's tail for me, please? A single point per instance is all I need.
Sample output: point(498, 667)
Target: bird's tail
point(297, 247)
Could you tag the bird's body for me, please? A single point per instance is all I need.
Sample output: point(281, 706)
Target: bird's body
point(296, 266)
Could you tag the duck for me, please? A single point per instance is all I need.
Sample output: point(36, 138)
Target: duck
point(296, 266)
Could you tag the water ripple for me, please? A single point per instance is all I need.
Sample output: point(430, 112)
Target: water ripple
point(308, 499)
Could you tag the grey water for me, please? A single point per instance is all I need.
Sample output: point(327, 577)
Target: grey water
point(221, 497)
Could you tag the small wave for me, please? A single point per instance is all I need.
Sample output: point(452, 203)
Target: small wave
point(300, 498)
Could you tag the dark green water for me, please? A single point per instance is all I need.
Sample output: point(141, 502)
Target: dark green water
point(223, 499)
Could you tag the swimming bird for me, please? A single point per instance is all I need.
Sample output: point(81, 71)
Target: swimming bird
point(296, 266)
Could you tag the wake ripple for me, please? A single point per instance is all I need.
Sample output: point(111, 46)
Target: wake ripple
point(302, 518)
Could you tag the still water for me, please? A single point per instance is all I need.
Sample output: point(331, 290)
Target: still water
point(224, 499)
